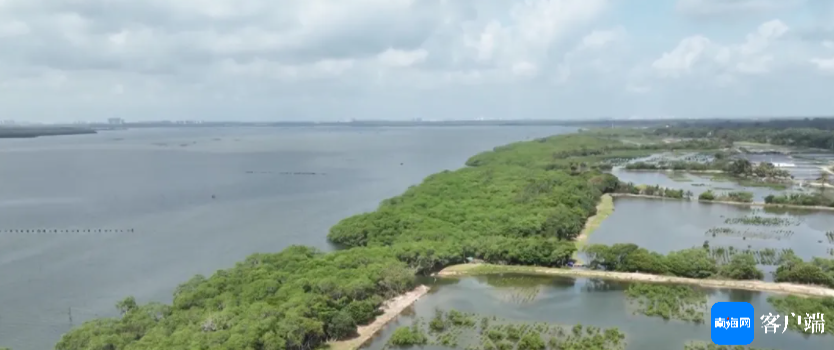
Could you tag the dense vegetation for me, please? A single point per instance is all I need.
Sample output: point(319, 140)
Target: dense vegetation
point(734, 196)
point(295, 299)
point(519, 204)
point(690, 263)
point(815, 199)
point(815, 133)
point(656, 190)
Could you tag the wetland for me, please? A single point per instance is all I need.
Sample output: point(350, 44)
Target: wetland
point(526, 204)
point(554, 307)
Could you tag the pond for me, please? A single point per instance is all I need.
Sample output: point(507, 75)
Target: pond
point(806, 167)
point(696, 183)
point(667, 225)
point(568, 301)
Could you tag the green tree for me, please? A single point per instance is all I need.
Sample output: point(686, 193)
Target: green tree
point(531, 341)
point(742, 267)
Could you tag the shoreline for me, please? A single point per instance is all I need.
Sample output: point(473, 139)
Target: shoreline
point(751, 204)
point(391, 309)
point(759, 286)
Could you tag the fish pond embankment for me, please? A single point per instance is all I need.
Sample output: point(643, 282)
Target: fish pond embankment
point(780, 288)
point(744, 204)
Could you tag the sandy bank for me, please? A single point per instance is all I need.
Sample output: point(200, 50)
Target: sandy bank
point(781, 288)
point(391, 309)
point(752, 204)
point(604, 209)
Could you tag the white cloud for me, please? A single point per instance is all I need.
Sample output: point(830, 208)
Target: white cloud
point(591, 53)
point(717, 8)
point(402, 58)
point(682, 58)
point(753, 56)
point(824, 64)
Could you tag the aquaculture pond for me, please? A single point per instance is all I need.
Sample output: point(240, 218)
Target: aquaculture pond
point(696, 183)
point(550, 308)
point(806, 166)
point(667, 225)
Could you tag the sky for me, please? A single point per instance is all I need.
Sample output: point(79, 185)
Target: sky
point(327, 60)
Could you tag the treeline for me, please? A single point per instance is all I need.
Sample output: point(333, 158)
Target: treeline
point(656, 190)
point(734, 196)
point(592, 151)
point(700, 263)
point(737, 167)
point(675, 165)
point(814, 134)
point(816, 199)
point(689, 263)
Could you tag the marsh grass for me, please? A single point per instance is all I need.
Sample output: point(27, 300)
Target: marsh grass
point(668, 301)
point(758, 220)
point(453, 329)
point(751, 234)
point(767, 256)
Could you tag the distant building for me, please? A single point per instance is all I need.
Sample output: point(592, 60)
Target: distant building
point(116, 121)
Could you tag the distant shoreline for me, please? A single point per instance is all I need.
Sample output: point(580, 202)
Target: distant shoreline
point(18, 132)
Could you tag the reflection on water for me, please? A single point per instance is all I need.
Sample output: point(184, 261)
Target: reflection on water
point(568, 301)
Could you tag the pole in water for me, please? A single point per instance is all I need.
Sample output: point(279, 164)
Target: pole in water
point(69, 312)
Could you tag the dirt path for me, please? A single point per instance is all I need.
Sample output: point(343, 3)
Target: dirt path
point(604, 209)
point(391, 309)
point(781, 288)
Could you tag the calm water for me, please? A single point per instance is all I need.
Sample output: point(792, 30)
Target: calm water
point(589, 302)
point(160, 182)
point(667, 225)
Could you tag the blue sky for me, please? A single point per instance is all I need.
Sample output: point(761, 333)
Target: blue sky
point(70, 60)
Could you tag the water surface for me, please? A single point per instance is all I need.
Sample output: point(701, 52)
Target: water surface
point(569, 301)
